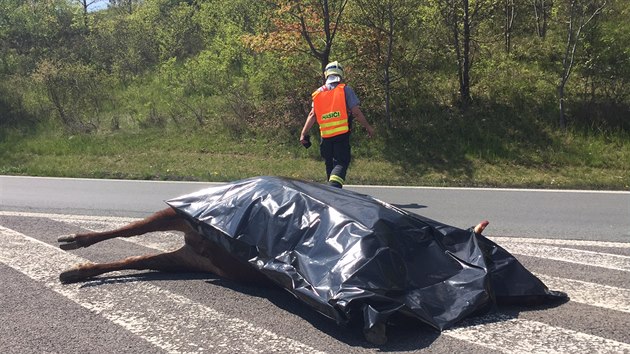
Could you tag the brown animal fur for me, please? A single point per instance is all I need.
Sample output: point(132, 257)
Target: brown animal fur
point(198, 254)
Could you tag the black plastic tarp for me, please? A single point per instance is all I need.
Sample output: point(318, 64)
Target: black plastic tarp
point(348, 254)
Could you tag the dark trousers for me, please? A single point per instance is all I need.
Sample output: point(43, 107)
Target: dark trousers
point(336, 154)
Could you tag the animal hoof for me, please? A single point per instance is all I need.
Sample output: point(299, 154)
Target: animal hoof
point(68, 242)
point(73, 275)
point(376, 334)
point(69, 276)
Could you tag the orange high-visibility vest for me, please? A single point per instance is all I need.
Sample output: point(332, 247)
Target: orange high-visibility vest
point(330, 109)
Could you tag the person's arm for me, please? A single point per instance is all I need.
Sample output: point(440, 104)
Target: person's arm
point(358, 115)
point(310, 120)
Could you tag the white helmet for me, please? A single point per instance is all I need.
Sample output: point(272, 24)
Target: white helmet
point(333, 68)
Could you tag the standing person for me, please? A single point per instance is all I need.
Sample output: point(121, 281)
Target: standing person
point(334, 106)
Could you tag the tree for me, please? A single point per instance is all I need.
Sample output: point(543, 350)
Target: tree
point(74, 90)
point(580, 14)
point(386, 19)
point(85, 4)
point(31, 31)
point(542, 9)
point(462, 18)
point(330, 13)
point(125, 5)
point(606, 72)
point(509, 11)
point(315, 21)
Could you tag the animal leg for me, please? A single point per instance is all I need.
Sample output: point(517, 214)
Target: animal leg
point(481, 226)
point(181, 260)
point(164, 220)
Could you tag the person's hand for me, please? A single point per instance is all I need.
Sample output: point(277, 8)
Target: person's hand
point(305, 140)
point(370, 131)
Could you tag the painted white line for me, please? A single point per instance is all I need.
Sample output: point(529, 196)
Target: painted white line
point(111, 180)
point(510, 335)
point(348, 185)
point(161, 241)
point(598, 295)
point(542, 248)
point(575, 256)
point(592, 294)
point(138, 308)
point(559, 242)
point(603, 296)
point(498, 332)
point(119, 221)
point(481, 189)
point(91, 218)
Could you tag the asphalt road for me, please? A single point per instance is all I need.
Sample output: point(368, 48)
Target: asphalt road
point(576, 241)
point(579, 215)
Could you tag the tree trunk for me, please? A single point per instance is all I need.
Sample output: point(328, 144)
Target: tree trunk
point(578, 19)
point(562, 121)
point(465, 82)
point(541, 16)
point(510, 13)
point(388, 63)
point(330, 26)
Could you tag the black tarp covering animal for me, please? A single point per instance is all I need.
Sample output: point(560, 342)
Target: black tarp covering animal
point(348, 255)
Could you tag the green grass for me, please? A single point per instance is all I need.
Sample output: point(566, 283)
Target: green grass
point(476, 156)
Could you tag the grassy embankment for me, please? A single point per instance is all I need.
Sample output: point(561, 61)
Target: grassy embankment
point(478, 155)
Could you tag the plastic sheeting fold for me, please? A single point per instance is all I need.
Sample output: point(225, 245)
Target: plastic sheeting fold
point(348, 255)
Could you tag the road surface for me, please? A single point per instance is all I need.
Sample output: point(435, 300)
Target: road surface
point(576, 241)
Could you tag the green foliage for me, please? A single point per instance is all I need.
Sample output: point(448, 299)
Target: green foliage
point(74, 93)
point(238, 69)
point(417, 155)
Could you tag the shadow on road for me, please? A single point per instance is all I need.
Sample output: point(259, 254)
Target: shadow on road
point(404, 333)
point(410, 206)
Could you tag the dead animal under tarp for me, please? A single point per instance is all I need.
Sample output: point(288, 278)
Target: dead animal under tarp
point(345, 254)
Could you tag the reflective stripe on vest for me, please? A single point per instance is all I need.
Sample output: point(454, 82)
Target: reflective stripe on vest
point(330, 109)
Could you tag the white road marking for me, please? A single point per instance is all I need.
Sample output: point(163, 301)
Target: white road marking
point(161, 241)
point(174, 334)
point(598, 295)
point(604, 296)
point(92, 218)
point(559, 242)
point(114, 221)
point(570, 255)
point(541, 248)
point(510, 335)
point(593, 294)
point(498, 332)
point(348, 185)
